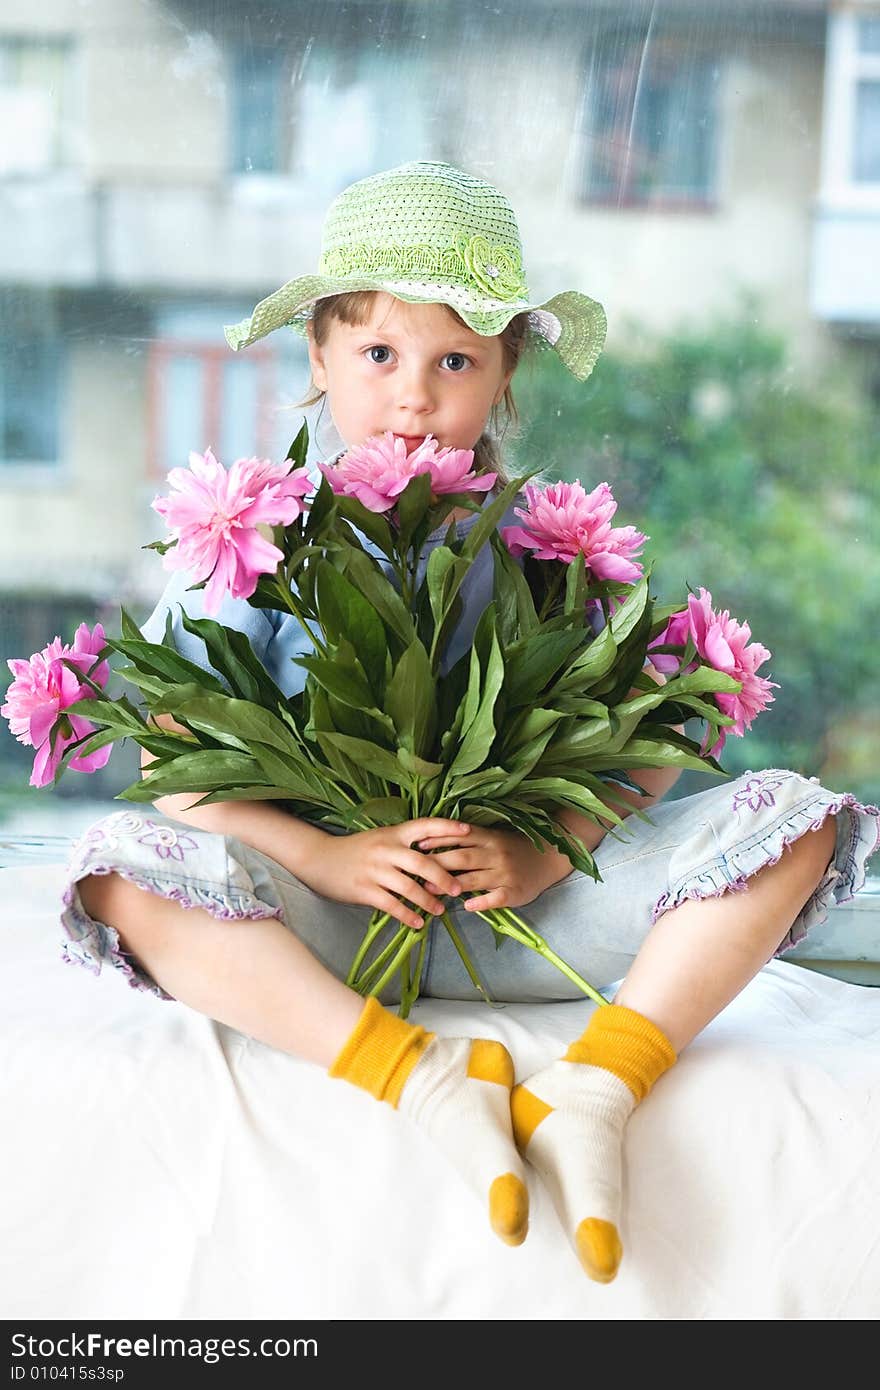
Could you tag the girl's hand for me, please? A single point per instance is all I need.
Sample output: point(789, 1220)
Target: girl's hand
point(379, 869)
point(502, 868)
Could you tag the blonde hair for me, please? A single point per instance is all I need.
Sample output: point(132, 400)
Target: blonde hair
point(354, 308)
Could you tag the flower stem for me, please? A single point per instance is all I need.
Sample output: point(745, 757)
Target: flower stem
point(551, 594)
point(509, 924)
point(377, 921)
point(409, 992)
point(466, 960)
point(363, 980)
point(410, 935)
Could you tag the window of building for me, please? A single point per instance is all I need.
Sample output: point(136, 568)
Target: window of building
point(851, 138)
point(285, 122)
point(648, 124)
point(31, 363)
point(201, 396)
point(34, 105)
point(260, 90)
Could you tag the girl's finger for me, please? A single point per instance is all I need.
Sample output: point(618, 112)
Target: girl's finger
point(385, 902)
point(435, 840)
point(433, 825)
point(420, 896)
point(419, 866)
point(458, 858)
point(472, 883)
point(484, 901)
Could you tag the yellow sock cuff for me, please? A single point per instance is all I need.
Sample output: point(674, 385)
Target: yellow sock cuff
point(626, 1043)
point(380, 1052)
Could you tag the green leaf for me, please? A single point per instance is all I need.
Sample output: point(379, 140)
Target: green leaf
point(298, 779)
point(479, 734)
point(419, 767)
point(300, 447)
point(486, 780)
point(370, 756)
point(385, 810)
point(491, 513)
point(664, 751)
point(373, 525)
point(534, 661)
point(128, 627)
point(342, 678)
point(567, 790)
point(323, 717)
point(322, 510)
point(576, 585)
point(631, 611)
point(588, 667)
point(157, 659)
point(345, 613)
point(222, 715)
point(513, 597)
point(440, 575)
point(118, 713)
point(528, 725)
point(411, 700)
point(230, 652)
point(199, 771)
point(413, 505)
point(162, 546)
point(366, 574)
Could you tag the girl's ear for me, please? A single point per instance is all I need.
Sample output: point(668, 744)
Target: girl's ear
point(316, 360)
point(499, 394)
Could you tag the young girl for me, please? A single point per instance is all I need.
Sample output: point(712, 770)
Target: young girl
point(415, 324)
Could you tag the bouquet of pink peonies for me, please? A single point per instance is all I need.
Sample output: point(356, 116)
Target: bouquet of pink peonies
point(550, 707)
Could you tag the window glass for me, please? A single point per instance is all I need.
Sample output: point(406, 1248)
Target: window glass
point(708, 171)
point(259, 81)
point(651, 124)
point(869, 33)
point(33, 74)
point(866, 152)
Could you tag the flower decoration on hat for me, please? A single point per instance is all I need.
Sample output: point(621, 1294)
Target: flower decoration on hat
point(493, 269)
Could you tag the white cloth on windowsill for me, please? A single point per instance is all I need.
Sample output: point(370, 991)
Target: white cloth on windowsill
point(157, 1165)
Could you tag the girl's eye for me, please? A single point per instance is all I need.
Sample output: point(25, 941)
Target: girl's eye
point(456, 360)
point(378, 347)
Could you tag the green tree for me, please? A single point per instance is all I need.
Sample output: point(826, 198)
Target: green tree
point(758, 485)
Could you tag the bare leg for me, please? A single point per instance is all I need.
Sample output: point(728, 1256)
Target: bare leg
point(254, 975)
point(259, 978)
point(699, 956)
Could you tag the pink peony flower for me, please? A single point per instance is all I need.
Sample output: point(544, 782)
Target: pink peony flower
point(675, 634)
point(215, 513)
point(723, 644)
point(562, 520)
point(377, 471)
point(43, 689)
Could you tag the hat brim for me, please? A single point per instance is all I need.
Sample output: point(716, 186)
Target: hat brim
point(571, 323)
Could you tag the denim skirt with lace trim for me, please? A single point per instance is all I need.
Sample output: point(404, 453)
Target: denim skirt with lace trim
point(699, 846)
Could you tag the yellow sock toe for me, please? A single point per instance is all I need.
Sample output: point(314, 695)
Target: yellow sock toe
point(509, 1209)
point(599, 1249)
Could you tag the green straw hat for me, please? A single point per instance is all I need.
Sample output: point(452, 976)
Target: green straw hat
point(428, 233)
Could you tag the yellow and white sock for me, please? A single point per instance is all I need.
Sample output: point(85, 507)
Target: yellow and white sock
point(569, 1118)
point(458, 1090)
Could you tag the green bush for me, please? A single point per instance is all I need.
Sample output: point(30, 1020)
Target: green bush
point(762, 487)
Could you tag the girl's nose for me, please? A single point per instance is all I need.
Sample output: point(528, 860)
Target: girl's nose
point(414, 394)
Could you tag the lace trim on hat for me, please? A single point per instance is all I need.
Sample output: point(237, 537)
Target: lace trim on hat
point(490, 268)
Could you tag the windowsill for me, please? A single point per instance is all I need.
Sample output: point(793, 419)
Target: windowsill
point(857, 202)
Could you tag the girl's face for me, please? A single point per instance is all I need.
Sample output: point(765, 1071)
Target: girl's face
point(412, 369)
